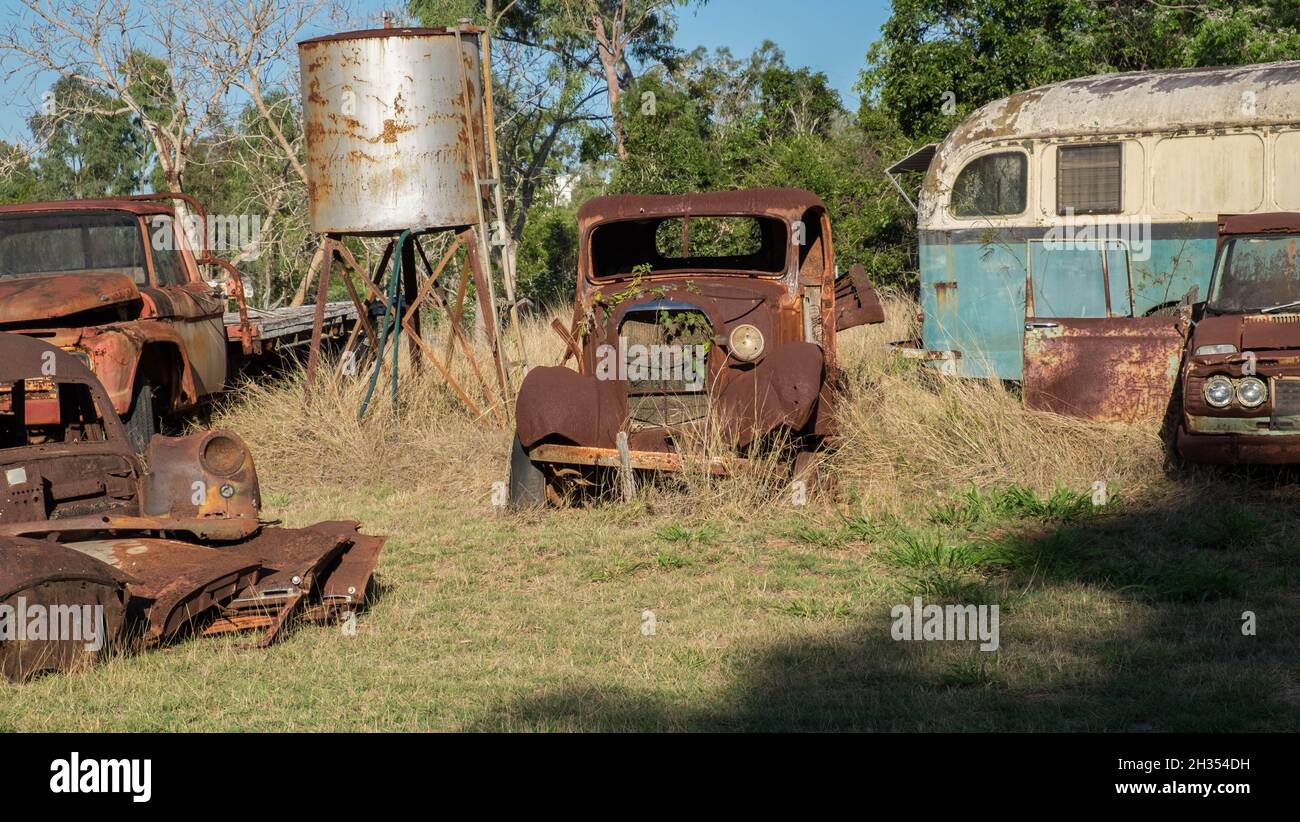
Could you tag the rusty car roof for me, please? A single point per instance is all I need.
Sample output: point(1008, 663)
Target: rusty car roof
point(138, 207)
point(1259, 223)
point(777, 202)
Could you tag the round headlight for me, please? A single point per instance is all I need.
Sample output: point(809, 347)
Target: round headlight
point(1218, 391)
point(746, 342)
point(1251, 392)
point(223, 455)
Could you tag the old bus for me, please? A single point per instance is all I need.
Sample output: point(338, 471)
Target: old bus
point(1059, 228)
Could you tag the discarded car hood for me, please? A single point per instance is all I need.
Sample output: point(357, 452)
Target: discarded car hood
point(1250, 332)
point(37, 299)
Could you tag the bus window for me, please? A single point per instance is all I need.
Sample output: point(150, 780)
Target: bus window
point(1089, 179)
point(1067, 282)
point(994, 185)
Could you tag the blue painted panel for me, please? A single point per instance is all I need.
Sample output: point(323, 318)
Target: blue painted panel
point(1117, 264)
point(984, 318)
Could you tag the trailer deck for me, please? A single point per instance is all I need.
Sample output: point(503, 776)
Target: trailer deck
point(278, 328)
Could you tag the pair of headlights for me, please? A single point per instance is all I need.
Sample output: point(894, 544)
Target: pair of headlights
point(1250, 392)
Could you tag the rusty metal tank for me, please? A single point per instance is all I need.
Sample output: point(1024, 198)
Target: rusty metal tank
point(394, 126)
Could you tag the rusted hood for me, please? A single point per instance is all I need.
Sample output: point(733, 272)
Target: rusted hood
point(1249, 332)
point(37, 299)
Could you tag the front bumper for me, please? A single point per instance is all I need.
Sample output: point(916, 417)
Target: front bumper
point(1239, 449)
point(639, 460)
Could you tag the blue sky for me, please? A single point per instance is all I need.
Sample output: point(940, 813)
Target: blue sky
point(826, 35)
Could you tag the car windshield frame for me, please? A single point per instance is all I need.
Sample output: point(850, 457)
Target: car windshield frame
point(1224, 259)
point(694, 265)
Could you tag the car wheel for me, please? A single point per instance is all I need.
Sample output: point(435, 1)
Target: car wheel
point(809, 468)
point(527, 481)
point(141, 421)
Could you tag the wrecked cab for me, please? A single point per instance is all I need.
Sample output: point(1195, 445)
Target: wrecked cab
point(1241, 376)
point(152, 553)
point(698, 319)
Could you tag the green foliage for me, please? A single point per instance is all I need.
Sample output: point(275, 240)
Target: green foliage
point(970, 52)
point(547, 257)
point(717, 123)
point(92, 146)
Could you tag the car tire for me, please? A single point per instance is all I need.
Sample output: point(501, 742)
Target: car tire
point(809, 467)
point(527, 481)
point(141, 420)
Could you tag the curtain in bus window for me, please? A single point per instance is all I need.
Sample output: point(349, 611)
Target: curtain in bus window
point(1088, 179)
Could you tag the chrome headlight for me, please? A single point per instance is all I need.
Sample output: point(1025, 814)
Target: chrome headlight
point(746, 342)
point(1251, 392)
point(1210, 350)
point(1218, 391)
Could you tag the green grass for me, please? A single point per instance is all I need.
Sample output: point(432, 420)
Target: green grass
point(1110, 620)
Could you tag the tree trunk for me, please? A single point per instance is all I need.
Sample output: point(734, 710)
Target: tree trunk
point(609, 48)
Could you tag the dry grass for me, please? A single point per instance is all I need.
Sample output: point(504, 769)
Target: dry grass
point(766, 616)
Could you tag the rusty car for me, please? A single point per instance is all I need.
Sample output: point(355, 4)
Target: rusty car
point(1241, 376)
point(117, 282)
point(157, 552)
point(690, 310)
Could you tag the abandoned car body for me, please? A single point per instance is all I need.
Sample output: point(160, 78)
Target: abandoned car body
point(85, 276)
point(178, 546)
point(1241, 378)
point(117, 283)
point(1070, 217)
point(718, 306)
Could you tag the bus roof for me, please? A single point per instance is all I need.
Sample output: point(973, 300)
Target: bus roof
point(1142, 101)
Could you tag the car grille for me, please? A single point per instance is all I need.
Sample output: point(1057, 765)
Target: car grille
point(667, 399)
point(1286, 397)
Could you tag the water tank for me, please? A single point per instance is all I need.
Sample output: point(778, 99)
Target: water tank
point(392, 135)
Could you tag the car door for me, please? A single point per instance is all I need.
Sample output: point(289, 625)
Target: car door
point(194, 309)
point(1085, 354)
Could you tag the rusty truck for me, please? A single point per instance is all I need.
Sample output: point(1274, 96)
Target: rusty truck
point(115, 283)
point(704, 309)
point(148, 554)
point(1241, 376)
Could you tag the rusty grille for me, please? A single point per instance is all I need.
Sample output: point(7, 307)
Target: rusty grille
point(1286, 397)
point(1272, 319)
point(666, 399)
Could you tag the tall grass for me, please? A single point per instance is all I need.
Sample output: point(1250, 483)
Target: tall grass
point(905, 433)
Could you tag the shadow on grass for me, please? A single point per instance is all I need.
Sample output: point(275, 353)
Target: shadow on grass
point(1182, 574)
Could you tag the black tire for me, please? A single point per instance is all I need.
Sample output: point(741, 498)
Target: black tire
point(527, 481)
point(141, 421)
